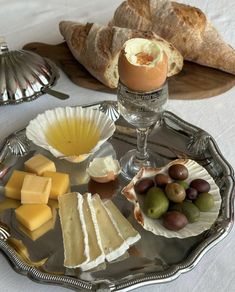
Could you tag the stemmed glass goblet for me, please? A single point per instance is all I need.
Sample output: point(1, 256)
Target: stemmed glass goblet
point(141, 110)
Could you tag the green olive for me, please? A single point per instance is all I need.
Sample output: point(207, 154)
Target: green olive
point(177, 207)
point(155, 203)
point(204, 202)
point(183, 183)
point(188, 209)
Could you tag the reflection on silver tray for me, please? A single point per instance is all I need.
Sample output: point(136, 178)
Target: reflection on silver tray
point(154, 259)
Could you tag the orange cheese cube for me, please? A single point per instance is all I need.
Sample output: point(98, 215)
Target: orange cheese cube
point(59, 183)
point(43, 229)
point(9, 204)
point(39, 164)
point(35, 190)
point(33, 216)
point(14, 184)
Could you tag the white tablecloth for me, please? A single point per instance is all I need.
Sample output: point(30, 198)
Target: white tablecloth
point(27, 21)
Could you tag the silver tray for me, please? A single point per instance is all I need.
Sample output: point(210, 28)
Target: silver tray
point(154, 259)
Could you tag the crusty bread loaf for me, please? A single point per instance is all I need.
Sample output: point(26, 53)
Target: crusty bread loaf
point(186, 27)
point(97, 48)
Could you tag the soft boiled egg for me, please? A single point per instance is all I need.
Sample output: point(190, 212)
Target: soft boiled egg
point(142, 65)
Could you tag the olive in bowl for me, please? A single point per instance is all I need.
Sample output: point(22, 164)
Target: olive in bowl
point(143, 185)
point(178, 172)
point(174, 220)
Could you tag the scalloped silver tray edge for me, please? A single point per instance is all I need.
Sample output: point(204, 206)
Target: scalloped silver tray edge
point(222, 229)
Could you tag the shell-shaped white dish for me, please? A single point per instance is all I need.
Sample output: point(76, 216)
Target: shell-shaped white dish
point(206, 219)
point(100, 126)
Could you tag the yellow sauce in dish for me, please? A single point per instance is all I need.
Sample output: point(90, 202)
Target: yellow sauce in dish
point(73, 137)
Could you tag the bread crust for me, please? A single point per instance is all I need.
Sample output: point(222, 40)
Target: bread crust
point(97, 48)
point(186, 27)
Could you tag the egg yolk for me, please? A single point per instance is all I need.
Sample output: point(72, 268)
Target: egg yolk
point(144, 58)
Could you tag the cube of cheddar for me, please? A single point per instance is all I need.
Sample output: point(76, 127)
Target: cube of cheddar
point(33, 216)
point(40, 231)
point(35, 190)
point(14, 184)
point(59, 183)
point(9, 204)
point(39, 164)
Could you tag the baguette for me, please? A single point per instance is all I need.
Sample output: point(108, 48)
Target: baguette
point(98, 47)
point(186, 27)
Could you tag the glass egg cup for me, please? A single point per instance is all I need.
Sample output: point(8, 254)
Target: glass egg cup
point(142, 110)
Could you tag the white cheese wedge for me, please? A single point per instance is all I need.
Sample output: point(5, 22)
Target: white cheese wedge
point(112, 242)
point(96, 253)
point(129, 234)
point(75, 237)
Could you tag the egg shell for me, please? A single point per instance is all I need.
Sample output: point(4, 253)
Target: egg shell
point(142, 78)
point(109, 175)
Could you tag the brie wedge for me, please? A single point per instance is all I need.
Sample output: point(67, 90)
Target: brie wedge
point(96, 253)
point(75, 237)
point(112, 242)
point(129, 234)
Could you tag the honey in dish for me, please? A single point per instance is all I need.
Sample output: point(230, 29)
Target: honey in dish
point(74, 136)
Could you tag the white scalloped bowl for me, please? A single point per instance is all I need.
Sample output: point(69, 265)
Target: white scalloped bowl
point(71, 133)
point(206, 219)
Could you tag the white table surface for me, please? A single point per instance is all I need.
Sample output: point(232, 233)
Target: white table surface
point(27, 21)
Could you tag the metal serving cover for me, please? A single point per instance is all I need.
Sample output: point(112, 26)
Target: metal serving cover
point(24, 75)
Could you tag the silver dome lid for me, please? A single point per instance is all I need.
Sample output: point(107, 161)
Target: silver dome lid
point(25, 75)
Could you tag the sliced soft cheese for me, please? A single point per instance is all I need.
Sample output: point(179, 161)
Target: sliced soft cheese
point(96, 253)
point(75, 237)
point(112, 242)
point(127, 231)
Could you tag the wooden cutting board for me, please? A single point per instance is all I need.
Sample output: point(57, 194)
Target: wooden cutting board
point(193, 82)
